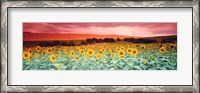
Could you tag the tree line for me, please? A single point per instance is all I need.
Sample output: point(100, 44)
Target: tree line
point(106, 40)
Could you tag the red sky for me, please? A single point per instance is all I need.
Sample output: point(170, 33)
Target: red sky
point(46, 30)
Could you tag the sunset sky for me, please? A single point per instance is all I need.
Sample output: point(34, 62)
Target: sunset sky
point(63, 31)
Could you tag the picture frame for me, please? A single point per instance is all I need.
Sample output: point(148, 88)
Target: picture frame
point(5, 5)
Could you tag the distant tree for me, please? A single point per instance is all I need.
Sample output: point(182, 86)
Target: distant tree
point(100, 40)
point(71, 43)
point(140, 40)
point(118, 39)
point(108, 40)
point(56, 43)
point(83, 43)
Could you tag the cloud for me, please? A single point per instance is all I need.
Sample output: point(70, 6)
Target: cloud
point(127, 29)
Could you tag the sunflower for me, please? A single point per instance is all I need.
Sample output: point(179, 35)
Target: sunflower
point(58, 66)
point(72, 53)
point(172, 45)
point(81, 51)
point(143, 46)
point(121, 53)
point(118, 49)
point(30, 51)
point(48, 50)
point(150, 46)
point(122, 56)
point(84, 48)
point(110, 50)
point(26, 55)
point(138, 45)
point(122, 48)
point(53, 58)
point(90, 52)
point(145, 61)
point(67, 55)
point(77, 48)
point(100, 52)
point(107, 49)
point(175, 45)
point(102, 49)
point(65, 50)
point(98, 56)
point(81, 47)
point(134, 45)
point(53, 48)
point(129, 46)
point(77, 58)
point(129, 50)
point(164, 45)
point(85, 56)
point(36, 55)
point(112, 55)
point(162, 50)
point(59, 49)
point(38, 49)
point(135, 52)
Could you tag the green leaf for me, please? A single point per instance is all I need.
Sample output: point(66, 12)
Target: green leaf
point(114, 61)
point(137, 67)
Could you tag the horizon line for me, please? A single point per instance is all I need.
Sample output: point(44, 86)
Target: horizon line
point(94, 37)
point(104, 34)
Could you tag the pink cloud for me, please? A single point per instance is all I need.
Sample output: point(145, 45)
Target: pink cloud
point(127, 29)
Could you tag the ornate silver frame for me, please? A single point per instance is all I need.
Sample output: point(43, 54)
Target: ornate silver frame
point(192, 4)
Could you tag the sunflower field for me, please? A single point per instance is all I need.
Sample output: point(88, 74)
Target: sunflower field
point(102, 56)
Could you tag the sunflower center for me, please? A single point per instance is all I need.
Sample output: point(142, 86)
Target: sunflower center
point(90, 52)
point(134, 52)
point(53, 58)
point(26, 55)
point(121, 53)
